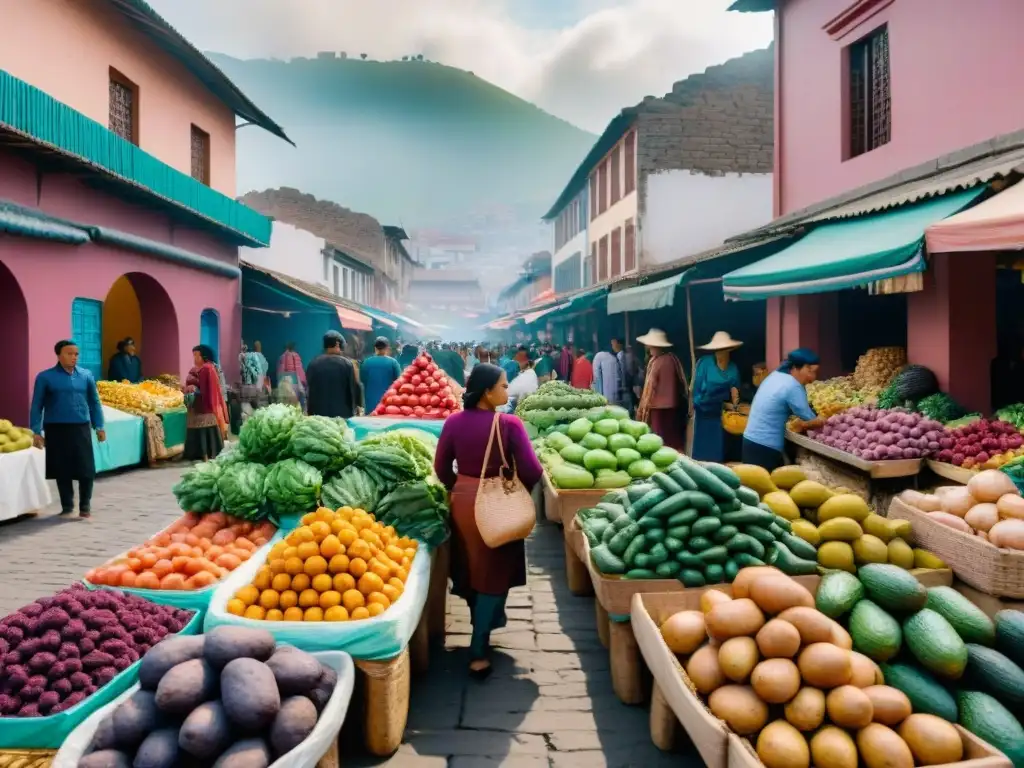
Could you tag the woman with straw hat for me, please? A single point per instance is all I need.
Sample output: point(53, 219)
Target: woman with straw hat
point(663, 400)
point(716, 382)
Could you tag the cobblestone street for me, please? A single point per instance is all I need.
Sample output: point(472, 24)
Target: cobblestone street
point(548, 703)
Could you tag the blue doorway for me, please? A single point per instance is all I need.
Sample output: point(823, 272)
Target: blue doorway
point(209, 331)
point(87, 333)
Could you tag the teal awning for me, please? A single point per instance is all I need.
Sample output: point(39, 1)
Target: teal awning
point(847, 253)
point(660, 293)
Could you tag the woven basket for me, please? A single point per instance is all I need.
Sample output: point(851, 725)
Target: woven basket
point(994, 571)
point(27, 758)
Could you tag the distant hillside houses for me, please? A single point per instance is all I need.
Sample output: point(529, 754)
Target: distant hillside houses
point(342, 55)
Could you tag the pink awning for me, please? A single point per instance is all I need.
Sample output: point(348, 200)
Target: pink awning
point(354, 321)
point(995, 225)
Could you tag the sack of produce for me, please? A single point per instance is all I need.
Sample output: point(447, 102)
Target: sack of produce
point(331, 601)
point(66, 675)
point(302, 720)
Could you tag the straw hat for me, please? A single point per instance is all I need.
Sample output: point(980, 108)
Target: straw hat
point(721, 341)
point(654, 338)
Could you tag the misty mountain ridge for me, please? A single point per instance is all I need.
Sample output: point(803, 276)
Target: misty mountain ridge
point(414, 143)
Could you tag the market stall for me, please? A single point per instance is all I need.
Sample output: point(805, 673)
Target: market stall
point(125, 443)
point(23, 486)
point(161, 410)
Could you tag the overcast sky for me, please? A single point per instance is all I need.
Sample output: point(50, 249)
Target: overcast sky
point(582, 60)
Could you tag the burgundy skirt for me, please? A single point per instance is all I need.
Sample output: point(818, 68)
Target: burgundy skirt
point(476, 568)
point(667, 423)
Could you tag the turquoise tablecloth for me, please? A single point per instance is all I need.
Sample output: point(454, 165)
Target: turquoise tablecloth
point(364, 426)
point(125, 444)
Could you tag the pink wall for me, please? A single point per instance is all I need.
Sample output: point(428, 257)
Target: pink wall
point(172, 297)
point(67, 47)
point(952, 335)
point(942, 53)
point(810, 321)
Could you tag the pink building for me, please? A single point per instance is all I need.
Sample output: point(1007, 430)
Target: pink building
point(117, 191)
point(880, 107)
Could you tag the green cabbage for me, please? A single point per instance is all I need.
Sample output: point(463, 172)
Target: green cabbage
point(241, 490)
point(327, 444)
point(197, 489)
point(267, 433)
point(293, 487)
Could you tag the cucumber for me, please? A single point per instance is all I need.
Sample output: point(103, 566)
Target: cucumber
point(799, 547)
point(702, 502)
point(731, 506)
point(673, 545)
point(724, 533)
point(741, 542)
point(783, 559)
point(619, 542)
point(682, 479)
point(933, 641)
point(699, 544)
point(648, 500)
point(649, 523)
point(969, 621)
point(681, 532)
point(668, 570)
point(667, 484)
point(747, 496)
point(691, 577)
point(714, 574)
point(615, 511)
point(623, 522)
point(990, 671)
point(636, 546)
point(762, 535)
point(640, 574)
point(686, 517)
point(668, 507)
point(607, 533)
point(658, 554)
point(707, 480)
point(748, 516)
point(746, 560)
point(783, 523)
point(717, 554)
point(775, 530)
point(636, 491)
point(655, 535)
point(616, 496)
point(705, 526)
point(592, 538)
point(723, 473)
point(990, 721)
point(605, 561)
point(926, 694)
point(689, 559)
point(731, 569)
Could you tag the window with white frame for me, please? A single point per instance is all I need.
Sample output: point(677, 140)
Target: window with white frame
point(327, 267)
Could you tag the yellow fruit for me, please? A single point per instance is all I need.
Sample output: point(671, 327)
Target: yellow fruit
point(330, 599)
point(360, 613)
point(337, 525)
point(236, 607)
point(336, 613)
point(330, 546)
point(844, 505)
point(925, 559)
point(379, 568)
point(313, 614)
point(782, 505)
point(263, 577)
point(352, 599)
point(901, 554)
point(275, 615)
point(395, 553)
point(840, 529)
point(276, 565)
point(255, 612)
point(370, 582)
point(755, 478)
point(347, 535)
point(248, 594)
point(807, 531)
point(788, 476)
point(378, 598)
point(393, 594)
point(281, 582)
point(837, 554)
point(375, 609)
point(308, 549)
point(321, 582)
point(293, 565)
point(315, 566)
point(270, 598)
point(869, 549)
point(357, 567)
point(343, 582)
point(304, 533)
point(309, 598)
point(360, 549)
point(289, 599)
point(338, 564)
point(309, 518)
point(397, 583)
point(293, 614)
point(291, 551)
point(808, 494)
point(320, 529)
point(300, 581)
point(878, 526)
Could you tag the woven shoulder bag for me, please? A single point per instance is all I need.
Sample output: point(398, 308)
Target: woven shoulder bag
point(504, 509)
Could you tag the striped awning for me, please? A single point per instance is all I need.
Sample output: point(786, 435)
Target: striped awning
point(354, 321)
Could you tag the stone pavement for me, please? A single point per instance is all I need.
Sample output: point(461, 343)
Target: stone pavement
point(549, 702)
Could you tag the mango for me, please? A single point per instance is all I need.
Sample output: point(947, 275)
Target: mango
point(809, 494)
point(901, 554)
point(788, 476)
point(840, 529)
point(807, 531)
point(755, 478)
point(782, 505)
point(844, 505)
point(870, 549)
point(925, 559)
point(838, 555)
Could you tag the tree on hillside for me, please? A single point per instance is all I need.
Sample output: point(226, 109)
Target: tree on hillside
point(405, 58)
point(363, 56)
point(419, 57)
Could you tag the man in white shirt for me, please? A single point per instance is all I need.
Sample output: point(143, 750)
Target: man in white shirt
point(526, 383)
point(608, 376)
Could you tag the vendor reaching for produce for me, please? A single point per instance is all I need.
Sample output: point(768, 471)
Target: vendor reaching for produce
point(64, 405)
point(480, 575)
point(715, 382)
point(780, 395)
point(663, 401)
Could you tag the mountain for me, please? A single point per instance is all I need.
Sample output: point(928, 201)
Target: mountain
point(411, 142)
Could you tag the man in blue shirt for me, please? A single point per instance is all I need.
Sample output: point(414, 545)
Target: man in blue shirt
point(378, 373)
point(66, 407)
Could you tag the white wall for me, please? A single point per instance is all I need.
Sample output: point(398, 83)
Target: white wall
point(688, 212)
point(293, 252)
point(578, 244)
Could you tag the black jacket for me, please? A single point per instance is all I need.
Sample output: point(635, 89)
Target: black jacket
point(333, 389)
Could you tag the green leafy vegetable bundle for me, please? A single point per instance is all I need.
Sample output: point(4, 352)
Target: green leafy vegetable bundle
point(416, 443)
point(267, 433)
point(418, 510)
point(322, 442)
point(391, 465)
point(241, 490)
point(197, 489)
point(940, 407)
point(352, 487)
point(293, 487)
point(1014, 414)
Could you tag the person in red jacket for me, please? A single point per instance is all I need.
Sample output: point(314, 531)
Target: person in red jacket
point(582, 370)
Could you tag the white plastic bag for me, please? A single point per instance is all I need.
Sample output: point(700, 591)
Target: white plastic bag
point(376, 639)
point(306, 755)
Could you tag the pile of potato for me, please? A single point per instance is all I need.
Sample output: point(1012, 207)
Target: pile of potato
point(778, 671)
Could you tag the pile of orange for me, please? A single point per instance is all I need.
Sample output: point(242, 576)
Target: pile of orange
point(337, 566)
point(195, 552)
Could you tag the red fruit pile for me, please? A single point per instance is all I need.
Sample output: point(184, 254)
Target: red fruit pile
point(423, 391)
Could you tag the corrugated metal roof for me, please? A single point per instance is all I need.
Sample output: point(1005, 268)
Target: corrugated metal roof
point(26, 222)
